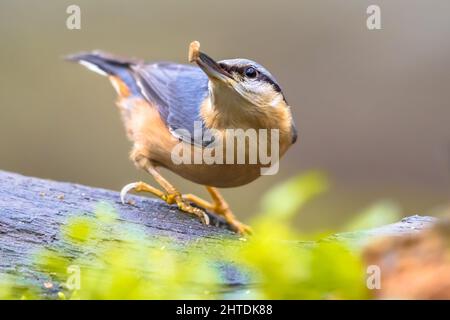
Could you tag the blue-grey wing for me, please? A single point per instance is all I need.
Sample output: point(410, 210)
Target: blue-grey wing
point(177, 91)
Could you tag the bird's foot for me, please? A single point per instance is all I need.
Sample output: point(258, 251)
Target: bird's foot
point(221, 208)
point(235, 224)
point(169, 197)
point(183, 205)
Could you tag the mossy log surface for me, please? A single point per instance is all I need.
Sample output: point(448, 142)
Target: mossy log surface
point(32, 211)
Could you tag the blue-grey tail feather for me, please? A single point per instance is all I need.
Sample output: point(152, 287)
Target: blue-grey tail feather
point(110, 65)
point(177, 91)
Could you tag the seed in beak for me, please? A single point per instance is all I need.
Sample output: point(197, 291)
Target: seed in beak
point(194, 51)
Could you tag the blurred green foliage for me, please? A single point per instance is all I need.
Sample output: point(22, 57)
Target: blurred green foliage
point(378, 214)
point(286, 199)
point(116, 260)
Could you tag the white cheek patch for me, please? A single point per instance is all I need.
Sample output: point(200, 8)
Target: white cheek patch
point(255, 87)
point(266, 91)
point(92, 67)
point(276, 100)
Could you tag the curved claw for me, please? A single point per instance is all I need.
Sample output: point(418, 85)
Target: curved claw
point(169, 198)
point(186, 207)
point(127, 189)
point(206, 217)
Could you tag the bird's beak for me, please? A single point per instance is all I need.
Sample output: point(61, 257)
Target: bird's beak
point(208, 64)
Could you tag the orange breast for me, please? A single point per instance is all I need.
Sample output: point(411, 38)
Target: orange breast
point(151, 136)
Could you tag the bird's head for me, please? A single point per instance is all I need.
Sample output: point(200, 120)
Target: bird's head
point(240, 85)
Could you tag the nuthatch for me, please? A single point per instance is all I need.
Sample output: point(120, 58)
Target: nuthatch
point(161, 102)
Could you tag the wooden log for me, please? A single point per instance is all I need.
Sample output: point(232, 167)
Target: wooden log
point(32, 211)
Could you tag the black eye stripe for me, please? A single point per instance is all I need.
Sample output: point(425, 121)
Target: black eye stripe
point(261, 76)
point(231, 69)
point(265, 78)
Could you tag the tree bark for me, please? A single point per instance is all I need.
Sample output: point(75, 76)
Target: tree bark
point(32, 210)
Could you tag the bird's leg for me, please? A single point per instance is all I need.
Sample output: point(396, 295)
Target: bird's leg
point(220, 207)
point(171, 194)
point(174, 196)
point(140, 187)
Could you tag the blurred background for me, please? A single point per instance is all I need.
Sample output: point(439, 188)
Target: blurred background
point(372, 107)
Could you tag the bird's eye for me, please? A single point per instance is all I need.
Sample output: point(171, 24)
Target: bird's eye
point(251, 72)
